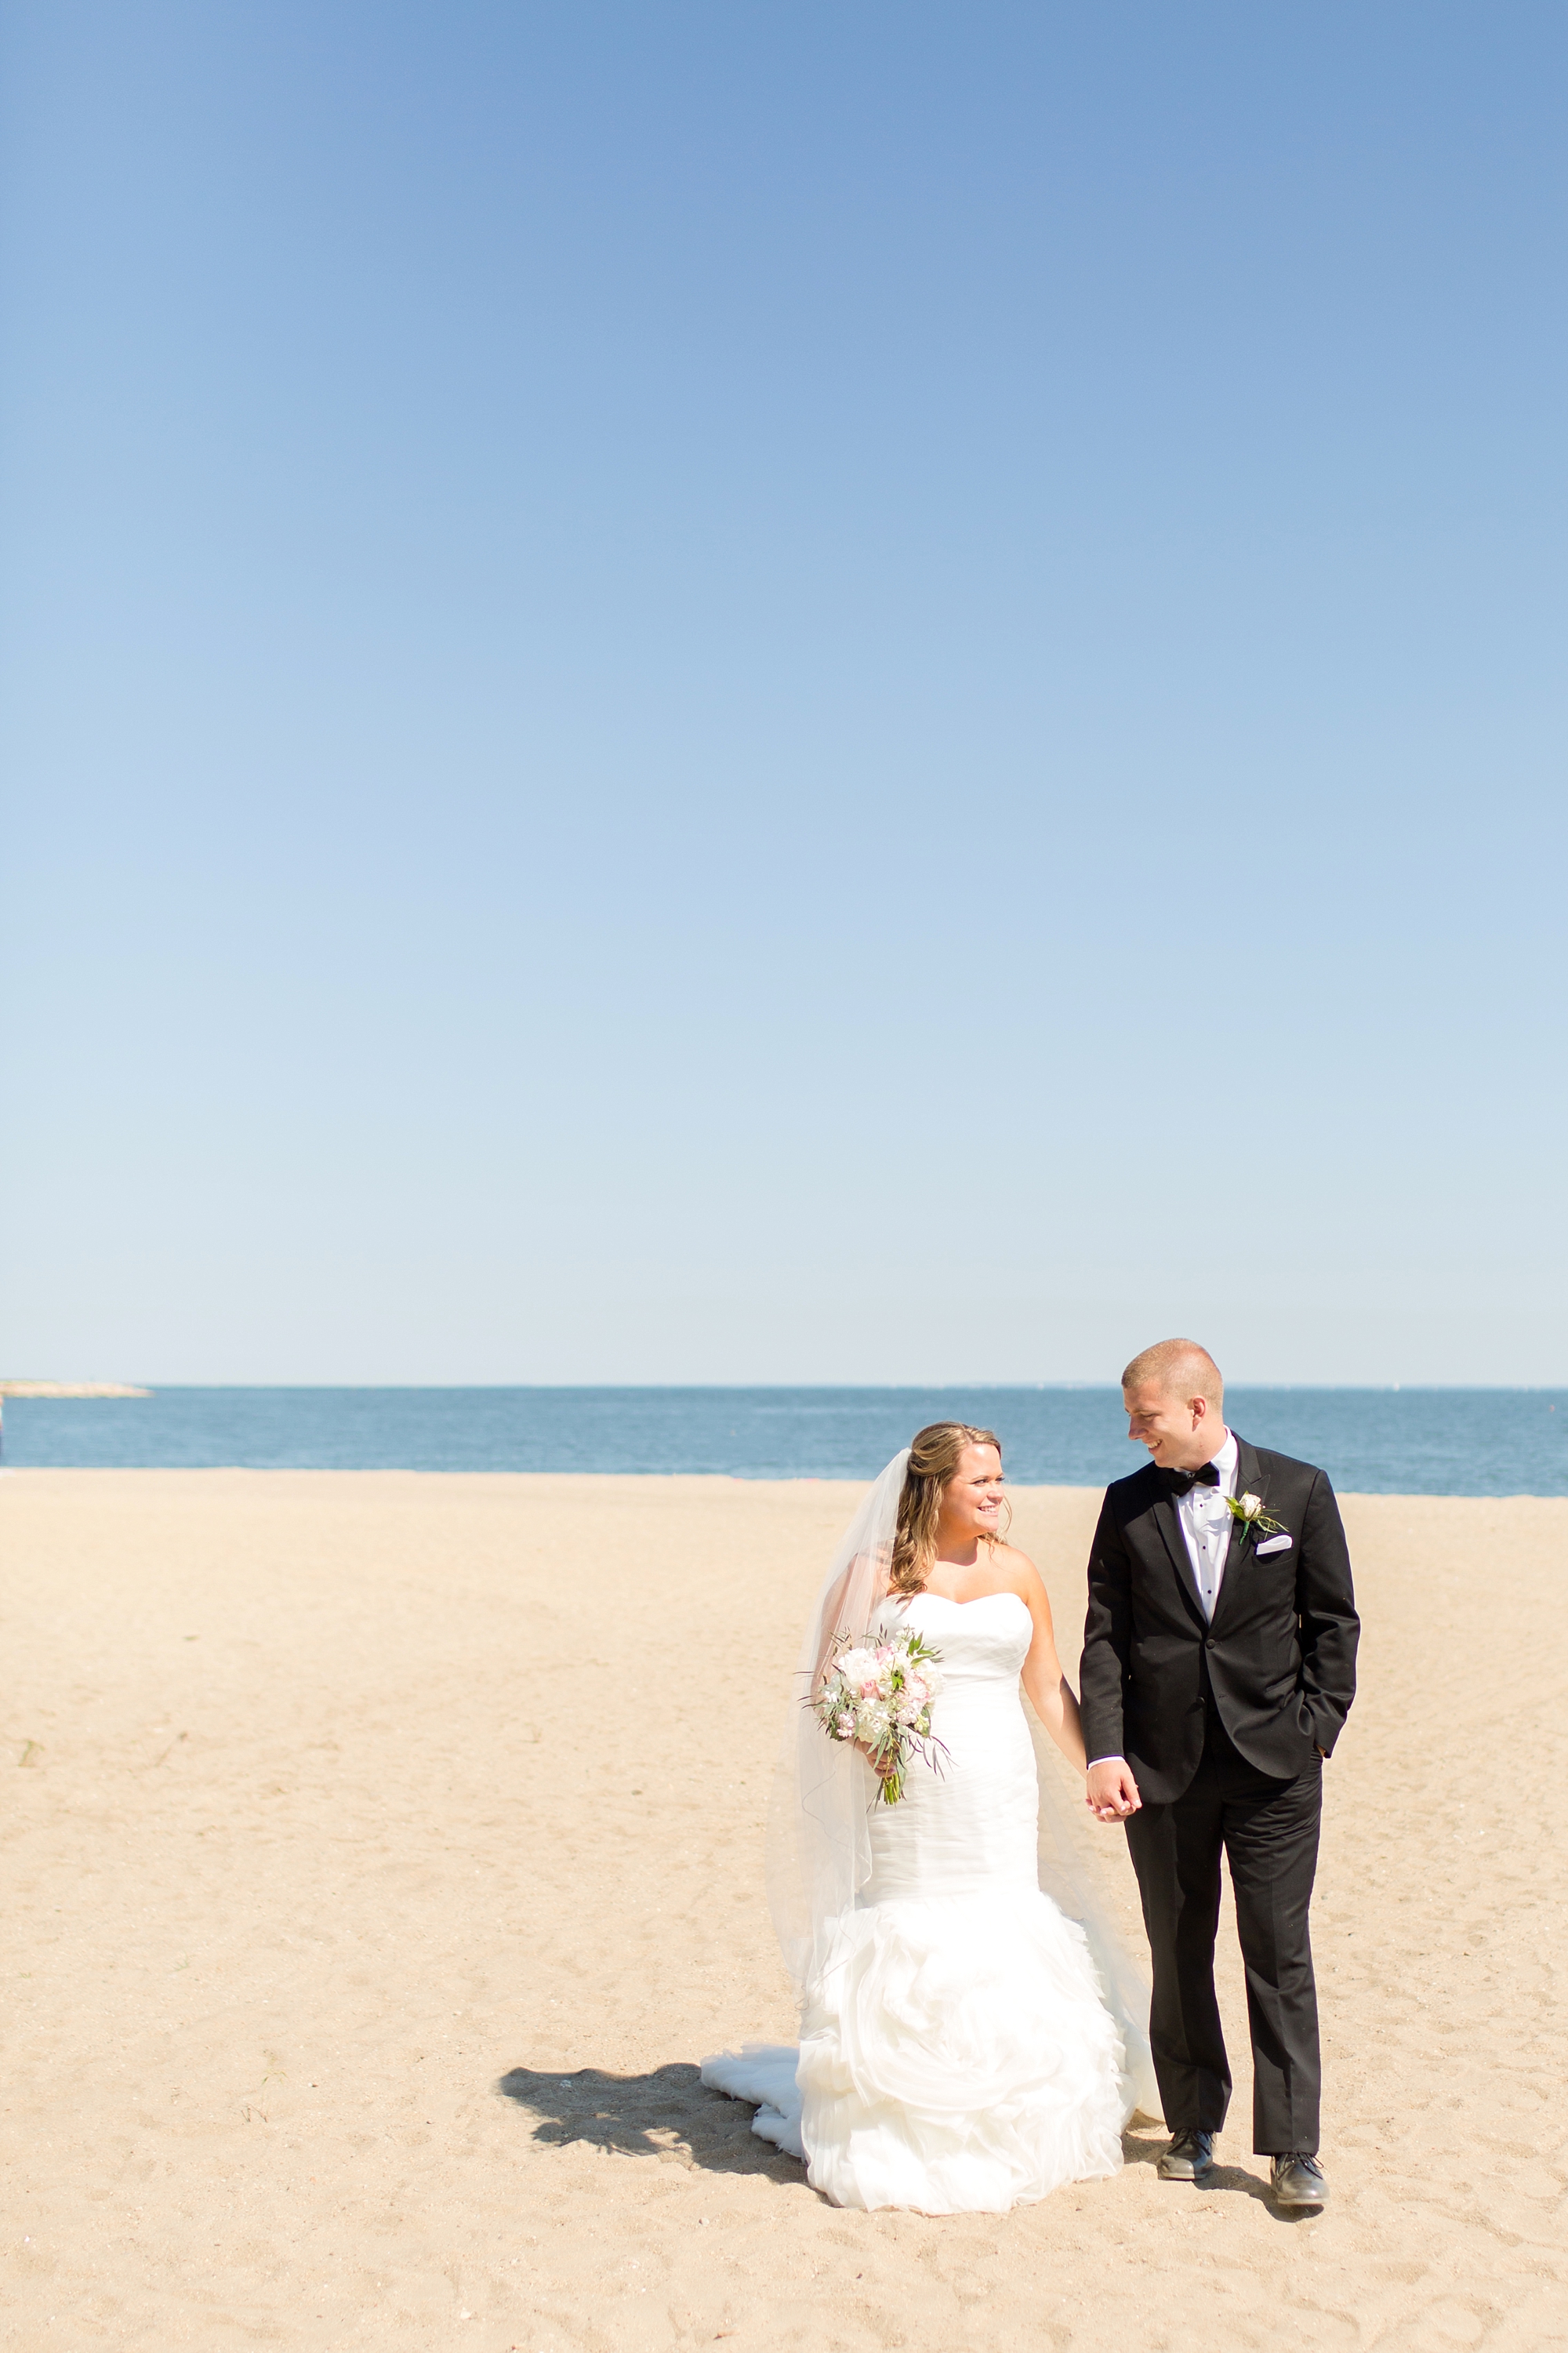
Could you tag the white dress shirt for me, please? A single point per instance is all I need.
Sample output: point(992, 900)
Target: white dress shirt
point(1204, 1522)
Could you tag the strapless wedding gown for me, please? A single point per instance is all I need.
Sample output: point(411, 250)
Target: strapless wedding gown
point(956, 2052)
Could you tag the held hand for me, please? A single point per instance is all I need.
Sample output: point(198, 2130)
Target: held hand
point(883, 1767)
point(1110, 1793)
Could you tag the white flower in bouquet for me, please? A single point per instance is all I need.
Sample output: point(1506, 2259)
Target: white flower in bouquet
point(857, 1672)
point(880, 1697)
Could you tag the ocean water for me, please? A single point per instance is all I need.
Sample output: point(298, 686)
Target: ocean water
point(1378, 1441)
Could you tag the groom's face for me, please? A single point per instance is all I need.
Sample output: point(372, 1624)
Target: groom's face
point(1181, 1433)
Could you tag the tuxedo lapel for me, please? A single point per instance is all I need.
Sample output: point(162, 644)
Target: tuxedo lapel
point(1164, 1518)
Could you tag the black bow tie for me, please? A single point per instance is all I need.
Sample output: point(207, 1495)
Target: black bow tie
point(1182, 1483)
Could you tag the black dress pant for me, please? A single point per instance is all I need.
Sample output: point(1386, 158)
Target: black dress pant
point(1269, 1832)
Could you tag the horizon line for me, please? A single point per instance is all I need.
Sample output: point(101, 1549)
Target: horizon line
point(883, 1388)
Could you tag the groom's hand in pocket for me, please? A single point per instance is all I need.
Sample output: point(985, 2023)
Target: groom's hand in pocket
point(1110, 1793)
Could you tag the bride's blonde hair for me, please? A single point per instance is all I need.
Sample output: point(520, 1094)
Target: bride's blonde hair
point(934, 1454)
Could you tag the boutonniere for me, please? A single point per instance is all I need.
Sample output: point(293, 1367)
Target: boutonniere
point(1249, 1510)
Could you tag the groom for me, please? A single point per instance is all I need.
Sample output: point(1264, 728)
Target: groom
point(1218, 1666)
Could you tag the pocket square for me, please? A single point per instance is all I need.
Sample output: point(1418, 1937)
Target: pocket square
point(1275, 1544)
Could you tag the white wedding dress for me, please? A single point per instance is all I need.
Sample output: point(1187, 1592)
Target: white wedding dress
point(956, 2051)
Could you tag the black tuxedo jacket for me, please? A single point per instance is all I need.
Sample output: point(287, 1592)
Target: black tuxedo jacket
point(1279, 1657)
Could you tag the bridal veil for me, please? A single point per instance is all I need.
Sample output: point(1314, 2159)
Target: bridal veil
point(819, 1832)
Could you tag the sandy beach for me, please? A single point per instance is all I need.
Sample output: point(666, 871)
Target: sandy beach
point(381, 1856)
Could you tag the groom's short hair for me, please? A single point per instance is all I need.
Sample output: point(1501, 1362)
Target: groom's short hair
point(1178, 1369)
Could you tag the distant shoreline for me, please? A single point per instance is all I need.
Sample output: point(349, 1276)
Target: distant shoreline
point(71, 1389)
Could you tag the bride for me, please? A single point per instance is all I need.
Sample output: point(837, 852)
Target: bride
point(967, 2038)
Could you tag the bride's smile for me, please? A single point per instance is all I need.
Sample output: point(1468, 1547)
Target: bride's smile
point(971, 1504)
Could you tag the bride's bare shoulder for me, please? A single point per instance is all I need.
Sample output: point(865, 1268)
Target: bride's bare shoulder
point(1016, 1568)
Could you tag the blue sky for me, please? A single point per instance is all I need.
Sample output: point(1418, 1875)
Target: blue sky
point(783, 692)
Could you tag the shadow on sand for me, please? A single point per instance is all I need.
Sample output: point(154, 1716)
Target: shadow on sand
point(671, 2113)
point(668, 2114)
point(1137, 2149)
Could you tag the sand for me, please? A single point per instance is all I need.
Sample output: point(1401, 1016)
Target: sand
point(383, 1852)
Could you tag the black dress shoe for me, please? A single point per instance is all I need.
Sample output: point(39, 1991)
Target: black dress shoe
point(1298, 2182)
point(1189, 2157)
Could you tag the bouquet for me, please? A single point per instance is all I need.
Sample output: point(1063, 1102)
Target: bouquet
point(879, 1695)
